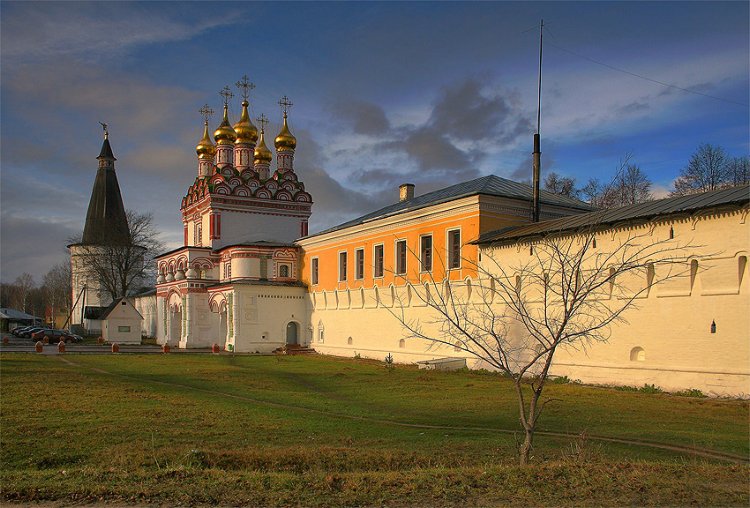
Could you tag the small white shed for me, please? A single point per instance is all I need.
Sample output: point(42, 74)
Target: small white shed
point(121, 323)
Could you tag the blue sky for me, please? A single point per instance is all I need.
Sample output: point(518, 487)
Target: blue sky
point(431, 93)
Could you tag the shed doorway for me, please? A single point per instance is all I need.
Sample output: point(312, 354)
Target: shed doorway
point(292, 333)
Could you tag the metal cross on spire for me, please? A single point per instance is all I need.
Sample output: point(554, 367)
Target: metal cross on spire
point(285, 104)
point(263, 121)
point(206, 112)
point(245, 85)
point(227, 94)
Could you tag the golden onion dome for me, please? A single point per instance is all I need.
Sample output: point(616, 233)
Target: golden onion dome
point(205, 148)
point(285, 140)
point(246, 131)
point(262, 153)
point(224, 134)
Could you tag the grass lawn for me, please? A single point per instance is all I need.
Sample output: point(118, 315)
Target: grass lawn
point(319, 431)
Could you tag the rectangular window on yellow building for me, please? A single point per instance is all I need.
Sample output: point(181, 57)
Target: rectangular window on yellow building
point(425, 253)
point(359, 264)
point(314, 271)
point(342, 266)
point(377, 261)
point(401, 257)
point(454, 249)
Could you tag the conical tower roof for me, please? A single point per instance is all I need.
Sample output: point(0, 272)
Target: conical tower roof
point(106, 222)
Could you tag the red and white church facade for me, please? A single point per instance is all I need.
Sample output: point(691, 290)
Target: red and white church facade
point(235, 279)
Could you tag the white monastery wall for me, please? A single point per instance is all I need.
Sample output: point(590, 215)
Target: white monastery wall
point(260, 316)
point(146, 306)
point(667, 340)
point(82, 276)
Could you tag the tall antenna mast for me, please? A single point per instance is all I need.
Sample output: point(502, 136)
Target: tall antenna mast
point(537, 154)
point(539, 86)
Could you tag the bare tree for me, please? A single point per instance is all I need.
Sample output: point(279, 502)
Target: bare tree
point(592, 192)
point(708, 169)
point(561, 185)
point(567, 294)
point(24, 283)
point(739, 170)
point(124, 267)
point(57, 288)
point(629, 186)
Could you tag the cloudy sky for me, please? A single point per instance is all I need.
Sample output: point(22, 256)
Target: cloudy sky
point(431, 93)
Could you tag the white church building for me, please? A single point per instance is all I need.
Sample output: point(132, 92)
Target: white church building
point(251, 279)
point(235, 281)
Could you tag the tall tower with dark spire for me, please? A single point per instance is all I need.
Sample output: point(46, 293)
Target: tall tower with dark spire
point(106, 228)
point(106, 222)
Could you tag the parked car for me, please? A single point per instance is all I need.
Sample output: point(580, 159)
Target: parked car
point(19, 330)
point(72, 337)
point(27, 333)
point(55, 336)
point(41, 333)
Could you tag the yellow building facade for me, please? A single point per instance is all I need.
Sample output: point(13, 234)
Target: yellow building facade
point(691, 331)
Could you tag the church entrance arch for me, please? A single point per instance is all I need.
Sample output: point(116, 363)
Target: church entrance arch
point(175, 325)
point(217, 304)
point(174, 303)
point(292, 333)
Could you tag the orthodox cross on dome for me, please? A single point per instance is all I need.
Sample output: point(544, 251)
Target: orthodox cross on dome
point(263, 121)
point(227, 94)
point(245, 85)
point(206, 112)
point(106, 132)
point(285, 104)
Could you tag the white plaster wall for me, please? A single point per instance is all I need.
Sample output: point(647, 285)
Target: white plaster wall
point(681, 352)
point(238, 227)
point(245, 268)
point(111, 334)
point(94, 296)
point(672, 323)
point(201, 325)
point(146, 306)
point(261, 314)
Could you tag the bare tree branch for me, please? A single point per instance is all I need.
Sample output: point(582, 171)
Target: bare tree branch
point(567, 294)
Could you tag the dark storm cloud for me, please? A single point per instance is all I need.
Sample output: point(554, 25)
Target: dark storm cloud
point(465, 112)
point(332, 202)
point(432, 149)
point(377, 176)
point(37, 196)
point(364, 117)
point(32, 245)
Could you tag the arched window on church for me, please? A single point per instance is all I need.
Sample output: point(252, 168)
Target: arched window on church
point(284, 271)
